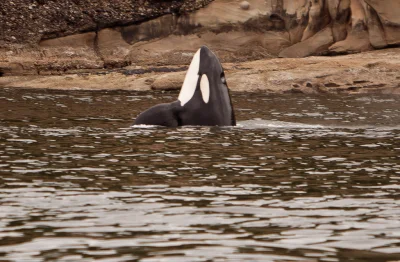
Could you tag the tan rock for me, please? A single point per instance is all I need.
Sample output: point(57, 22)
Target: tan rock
point(113, 81)
point(229, 46)
point(227, 12)
point(112, 48)
point(65, 53)
point(169, 81)
point(314, 45)
point(369, 72)
point(357, 41)
point(85, 40)
point(339, 20)
point(358, 34)
point(245, 5)
point(375, 29)
point(388, 10)
point(12, 68)
point(389, 15)
point(333, 7)
point(358, 38)
point(315, 19)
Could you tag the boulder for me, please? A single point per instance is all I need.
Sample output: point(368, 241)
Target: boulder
point(388, 13)
point(169, 81)
point(314, 45)
point(112, 48)
point(245, 5)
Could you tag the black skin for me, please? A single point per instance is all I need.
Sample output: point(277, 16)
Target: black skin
point(217, 112)
point(161, 115)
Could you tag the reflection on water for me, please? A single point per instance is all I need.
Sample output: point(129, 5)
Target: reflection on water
point(300, 178)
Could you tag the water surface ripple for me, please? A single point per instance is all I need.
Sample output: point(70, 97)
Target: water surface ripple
point(300, 178)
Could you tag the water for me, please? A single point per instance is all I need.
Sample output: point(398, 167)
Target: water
point(300, 178)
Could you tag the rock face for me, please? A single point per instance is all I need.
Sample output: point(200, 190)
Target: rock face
point(369, 72)
point(29, 22)
point(57, 37)
point(356, 25)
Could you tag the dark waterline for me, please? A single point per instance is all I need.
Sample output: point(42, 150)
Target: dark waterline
point(300, 177)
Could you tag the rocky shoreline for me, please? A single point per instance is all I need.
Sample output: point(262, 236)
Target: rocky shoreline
point(369, 72)
point(56, 37)
point(148, 44)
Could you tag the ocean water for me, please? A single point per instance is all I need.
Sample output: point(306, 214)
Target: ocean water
point(299, 178)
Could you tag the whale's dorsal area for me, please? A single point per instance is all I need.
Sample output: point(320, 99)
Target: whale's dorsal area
point(204, 98)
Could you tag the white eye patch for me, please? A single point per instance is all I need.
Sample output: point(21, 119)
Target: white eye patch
point(190, 82)
point(205, 88)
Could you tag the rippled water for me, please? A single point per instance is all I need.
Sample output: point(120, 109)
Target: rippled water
point(300, 178)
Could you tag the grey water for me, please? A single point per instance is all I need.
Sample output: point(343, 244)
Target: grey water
point(300, 178)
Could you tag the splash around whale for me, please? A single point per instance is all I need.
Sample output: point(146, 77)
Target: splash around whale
point(204, 99)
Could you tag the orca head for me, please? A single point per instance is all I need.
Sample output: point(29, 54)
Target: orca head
point(204, 68)
point(205, 91)
point(203, 100)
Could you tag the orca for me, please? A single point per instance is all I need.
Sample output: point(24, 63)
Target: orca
point(204, 99)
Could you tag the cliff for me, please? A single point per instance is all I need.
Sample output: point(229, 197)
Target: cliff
point(29, 22)
point(56, 37)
